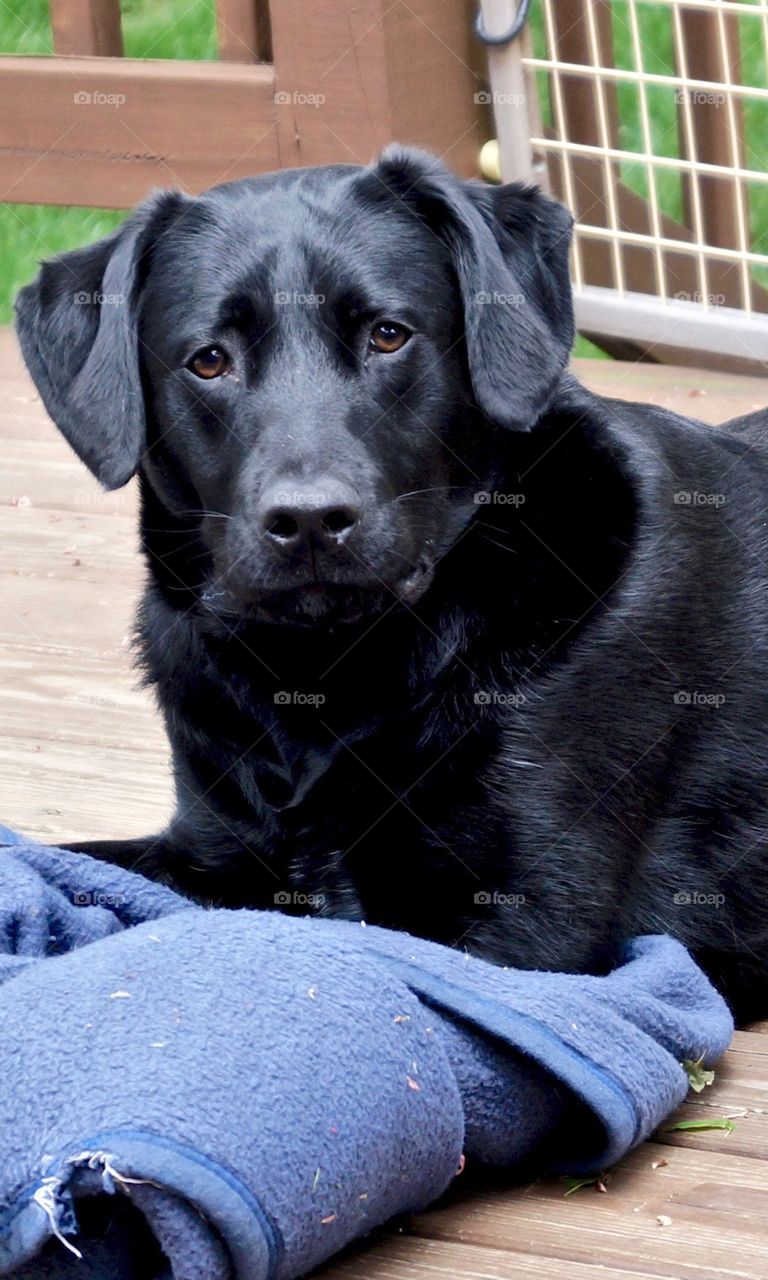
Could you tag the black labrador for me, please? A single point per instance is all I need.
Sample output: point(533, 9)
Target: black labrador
point(442, 640)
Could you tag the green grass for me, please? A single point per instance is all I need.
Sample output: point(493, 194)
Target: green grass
point(187, 29)
point(29, 233)
point(151, 28)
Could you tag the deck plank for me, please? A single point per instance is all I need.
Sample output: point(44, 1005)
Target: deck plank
point(82, 753)
point(410, 1258)
point(718, 1206)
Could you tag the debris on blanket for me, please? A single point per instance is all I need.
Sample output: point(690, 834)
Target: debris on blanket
point(296, 1133)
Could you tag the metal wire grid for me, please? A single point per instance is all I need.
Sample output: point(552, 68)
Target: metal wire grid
point(743, 255)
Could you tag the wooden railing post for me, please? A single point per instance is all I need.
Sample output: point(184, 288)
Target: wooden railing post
point(354, 75)
point(87, 28)
point(244, 31)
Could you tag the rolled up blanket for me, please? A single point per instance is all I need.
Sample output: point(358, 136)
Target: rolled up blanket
point(262, 1090)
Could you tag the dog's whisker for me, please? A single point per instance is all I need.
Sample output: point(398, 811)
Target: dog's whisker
point(484, 524)
point(175, 533)
point(209, 515)
point(438, 488)
point(500, 545)
point(169, 555)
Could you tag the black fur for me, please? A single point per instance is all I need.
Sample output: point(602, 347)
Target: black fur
point(544, 722)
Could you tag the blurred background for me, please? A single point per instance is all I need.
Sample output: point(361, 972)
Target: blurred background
point(150, 29)
point(649, 118)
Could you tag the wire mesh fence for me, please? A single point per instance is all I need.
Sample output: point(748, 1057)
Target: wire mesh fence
point(653, 127)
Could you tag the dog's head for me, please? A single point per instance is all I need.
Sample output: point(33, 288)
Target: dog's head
point(314, 368)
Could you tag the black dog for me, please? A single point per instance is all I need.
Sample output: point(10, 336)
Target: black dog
point(442, 640)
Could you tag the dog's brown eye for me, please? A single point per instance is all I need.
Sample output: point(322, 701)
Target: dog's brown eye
point(211, 362)
point(388, 337)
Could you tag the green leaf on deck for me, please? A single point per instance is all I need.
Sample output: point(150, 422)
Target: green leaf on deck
point(698, 1077)
point(717, 1122)
point(597, 1181)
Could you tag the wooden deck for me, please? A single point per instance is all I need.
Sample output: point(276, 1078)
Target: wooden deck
point(82, 754)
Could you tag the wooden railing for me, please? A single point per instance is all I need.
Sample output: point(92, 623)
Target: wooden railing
point(298, 82)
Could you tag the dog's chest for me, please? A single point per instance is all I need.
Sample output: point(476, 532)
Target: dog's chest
point(369, 823)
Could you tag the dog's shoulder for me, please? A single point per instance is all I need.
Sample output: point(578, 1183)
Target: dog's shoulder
point(650, 434)
point(752, 427)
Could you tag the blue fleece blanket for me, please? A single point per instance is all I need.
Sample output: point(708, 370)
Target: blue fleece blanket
point(257, 1090)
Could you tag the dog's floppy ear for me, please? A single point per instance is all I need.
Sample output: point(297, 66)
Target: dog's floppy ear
point(77, 326)
point(509, 248)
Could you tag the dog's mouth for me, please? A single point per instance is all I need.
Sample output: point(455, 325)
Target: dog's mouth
point(321, 604)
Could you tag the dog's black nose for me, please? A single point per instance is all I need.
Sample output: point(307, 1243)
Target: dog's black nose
point(324, 512)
